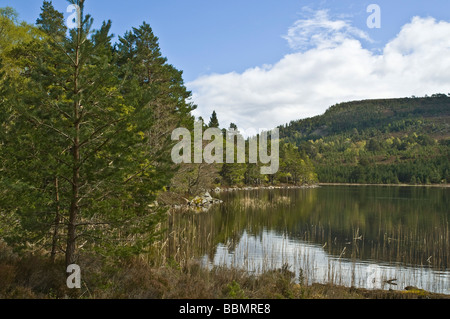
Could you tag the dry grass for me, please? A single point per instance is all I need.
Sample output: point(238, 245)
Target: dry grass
point(28, 276)
point(258, 203)
point(35, 277)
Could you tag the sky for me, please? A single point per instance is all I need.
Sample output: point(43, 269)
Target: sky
point(264, 63)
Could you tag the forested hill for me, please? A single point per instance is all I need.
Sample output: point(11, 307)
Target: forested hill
point(403, 140)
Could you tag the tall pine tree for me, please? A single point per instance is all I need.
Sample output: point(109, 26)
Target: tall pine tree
point(85, 152)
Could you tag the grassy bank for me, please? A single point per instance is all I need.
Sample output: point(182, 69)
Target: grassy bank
point(31, 277)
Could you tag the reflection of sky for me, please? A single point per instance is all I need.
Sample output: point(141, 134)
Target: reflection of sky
point(270, 251)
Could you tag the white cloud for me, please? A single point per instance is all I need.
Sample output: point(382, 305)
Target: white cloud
point(319, 31)
point(331, 67)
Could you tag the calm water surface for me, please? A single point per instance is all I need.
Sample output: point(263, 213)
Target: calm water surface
point(363, 236)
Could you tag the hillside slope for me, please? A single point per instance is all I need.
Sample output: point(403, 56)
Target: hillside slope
point(405, 140)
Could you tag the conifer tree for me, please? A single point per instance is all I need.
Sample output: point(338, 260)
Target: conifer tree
point(213, 121)
point(233, 173)
point(78, 156)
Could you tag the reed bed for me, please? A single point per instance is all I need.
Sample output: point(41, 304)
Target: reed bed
point(401, 257)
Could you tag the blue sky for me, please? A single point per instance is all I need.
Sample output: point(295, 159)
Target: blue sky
point(218, 42)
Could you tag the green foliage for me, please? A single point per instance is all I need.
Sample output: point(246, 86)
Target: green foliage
point(294, 166)
point(13, 34)
point(213, 121)
point(235, 291)
point(85, 136)
point(378, 141)
point(232, 173)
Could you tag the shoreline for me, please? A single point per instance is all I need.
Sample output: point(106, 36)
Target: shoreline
point(402, 185)
point(290, 186)
point(246, 188)
point(205, 203)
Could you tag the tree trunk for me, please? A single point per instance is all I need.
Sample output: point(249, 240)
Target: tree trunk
point(74, 207)
point(57, 222)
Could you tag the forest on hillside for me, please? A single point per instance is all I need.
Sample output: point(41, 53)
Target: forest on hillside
point(386, 141)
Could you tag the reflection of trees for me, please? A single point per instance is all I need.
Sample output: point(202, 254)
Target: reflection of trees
point(199, 234)
point(399, 224)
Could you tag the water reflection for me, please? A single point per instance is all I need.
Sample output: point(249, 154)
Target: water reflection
point(339, 234)
point(257, 254)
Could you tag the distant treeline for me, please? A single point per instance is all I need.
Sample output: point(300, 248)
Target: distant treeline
point(295, 167)
point(378, 141)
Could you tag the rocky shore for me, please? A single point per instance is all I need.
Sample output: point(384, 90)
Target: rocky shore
point(250, 188)
point(203, 202)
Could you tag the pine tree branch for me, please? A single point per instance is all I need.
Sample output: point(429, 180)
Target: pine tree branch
point(36, 121)
point(94, 151)
point(63, 50)
point(91, 224)
point(66, 179)
point(66, 115)
point(98, 131)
